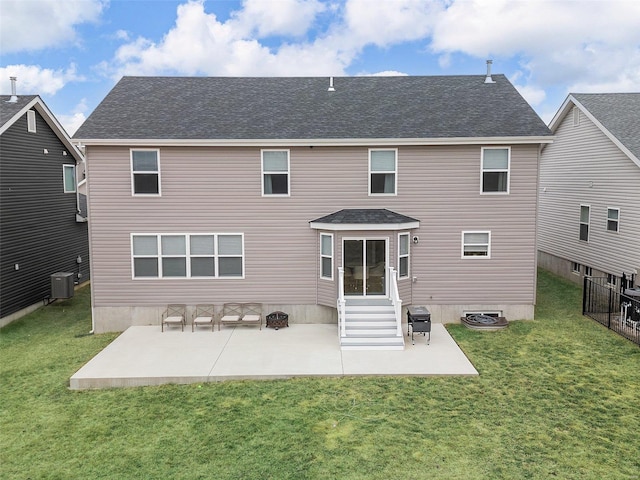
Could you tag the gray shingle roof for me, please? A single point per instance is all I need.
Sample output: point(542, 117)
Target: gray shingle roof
point(365, 216)
point(617, 112)
point(211, 108)
point(8, 110)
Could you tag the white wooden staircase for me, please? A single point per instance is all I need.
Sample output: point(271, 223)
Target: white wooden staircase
point(370, 324)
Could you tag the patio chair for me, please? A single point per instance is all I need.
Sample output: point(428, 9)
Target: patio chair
point(231, 314)
point(252, 314)
point(174, 315)
point(202, 316)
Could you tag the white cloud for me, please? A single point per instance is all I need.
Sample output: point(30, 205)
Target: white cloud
point(386, 73)
point(282, 17)
point(560, 39)
point(71, 123)
point(199, 43)
point(28, 25)
point(388, 22)
point(35, 80)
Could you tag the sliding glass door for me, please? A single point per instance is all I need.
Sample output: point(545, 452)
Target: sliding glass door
point(365, 265)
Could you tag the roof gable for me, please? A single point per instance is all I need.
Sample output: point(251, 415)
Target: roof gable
point(254, 108)
point(12, 111)
point(617, 115)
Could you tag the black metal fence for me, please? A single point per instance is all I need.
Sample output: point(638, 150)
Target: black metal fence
point(612, 308)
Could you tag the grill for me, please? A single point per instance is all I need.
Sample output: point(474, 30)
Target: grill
point(419, 320)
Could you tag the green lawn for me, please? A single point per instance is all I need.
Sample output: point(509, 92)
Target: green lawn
point(558, 397)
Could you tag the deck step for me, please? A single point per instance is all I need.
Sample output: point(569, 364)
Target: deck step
point(371, 325)
point(372, 332)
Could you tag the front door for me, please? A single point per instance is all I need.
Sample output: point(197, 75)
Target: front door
point(365, 266)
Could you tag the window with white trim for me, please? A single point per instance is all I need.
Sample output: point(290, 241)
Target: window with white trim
point(575, 268)
point(69, 178)
point(187, 255)
point(611, 280)
point(588, 271)
point(403, 255)
point(476, 244)
point(326, 256)
point(495, 169)
point(383, 171)
point(145, 172)
point(275, 172)
point(613, 219)
point(585, 215)
point(31, 121)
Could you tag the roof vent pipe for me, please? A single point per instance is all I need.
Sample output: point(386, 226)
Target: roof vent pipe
point(14, 97)
point(488, 79)
point(331, 89)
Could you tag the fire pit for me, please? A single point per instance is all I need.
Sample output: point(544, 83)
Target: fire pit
point(277, 320)
point(484, 322)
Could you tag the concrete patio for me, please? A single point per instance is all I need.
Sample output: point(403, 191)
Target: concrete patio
point(145, 356)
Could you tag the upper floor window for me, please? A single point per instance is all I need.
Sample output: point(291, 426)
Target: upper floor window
point(31, 121)
point(275, 172)
point(495, 169)
point(476, 244)
point(403, 255)
point(383, 170)
point(145, 172)
point(613, 219)
point(585, 214)
point(326, 256)
point(187, 256)
point(69, 178)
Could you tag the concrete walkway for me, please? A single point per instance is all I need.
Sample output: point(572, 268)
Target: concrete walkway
point(145, 356)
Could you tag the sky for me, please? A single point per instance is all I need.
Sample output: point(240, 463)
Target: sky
point(72, 52)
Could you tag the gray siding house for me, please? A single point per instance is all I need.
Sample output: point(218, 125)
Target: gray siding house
point(589, 213)
point(306, 194)
point(42, 229)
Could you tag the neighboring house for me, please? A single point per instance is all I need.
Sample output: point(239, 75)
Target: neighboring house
point(296, 192)
point(41, 229)
point(589, 213)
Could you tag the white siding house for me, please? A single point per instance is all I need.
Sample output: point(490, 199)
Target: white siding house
point(589, 212)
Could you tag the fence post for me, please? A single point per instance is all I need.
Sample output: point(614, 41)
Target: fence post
point(610, 307)
point(584, 295)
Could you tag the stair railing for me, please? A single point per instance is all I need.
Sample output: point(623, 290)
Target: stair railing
point(342, 304)
point(395, 299)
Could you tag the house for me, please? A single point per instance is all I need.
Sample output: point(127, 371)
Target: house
point(589, 213)
point(310, 194)
point(42, 230)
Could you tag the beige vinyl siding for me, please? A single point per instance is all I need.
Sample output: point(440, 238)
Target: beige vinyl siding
point(585, 167)
point(218, 190)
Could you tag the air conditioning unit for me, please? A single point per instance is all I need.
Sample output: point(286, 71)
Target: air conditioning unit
point(62, 285)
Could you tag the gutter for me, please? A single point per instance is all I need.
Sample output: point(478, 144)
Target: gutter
point(307, 142)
